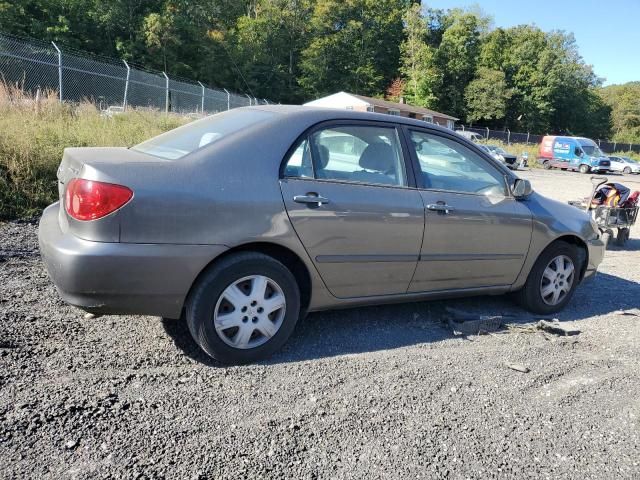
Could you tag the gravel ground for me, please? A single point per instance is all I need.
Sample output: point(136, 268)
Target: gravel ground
point(370, 392)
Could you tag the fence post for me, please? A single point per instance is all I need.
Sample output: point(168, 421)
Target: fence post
point(527, 138)
point(202, 103)
point(257, 102)
point(59, 70)
point(487, 133)
point(266, 102)
point(614, 146)
point(126, 86)
point(228, 99)
point(462, 127)
point(629, 147)
point(598, 143)
point(166, 93)
point(247, 95)
point(508, 137)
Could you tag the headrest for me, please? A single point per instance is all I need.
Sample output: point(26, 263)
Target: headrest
point(323, 154)
point(377, 156)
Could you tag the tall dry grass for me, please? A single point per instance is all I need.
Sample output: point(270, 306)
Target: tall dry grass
point(35, 129)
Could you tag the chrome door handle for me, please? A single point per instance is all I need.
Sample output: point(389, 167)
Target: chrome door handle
point(440, 207)
point(311, 199)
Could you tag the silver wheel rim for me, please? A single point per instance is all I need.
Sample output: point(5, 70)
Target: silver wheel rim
point(249, 312)
point(557, 280)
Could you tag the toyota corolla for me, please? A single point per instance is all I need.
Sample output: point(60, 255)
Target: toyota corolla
point(244, 221)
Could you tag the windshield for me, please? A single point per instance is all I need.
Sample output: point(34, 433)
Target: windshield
point(592, 151)
point(181, 141)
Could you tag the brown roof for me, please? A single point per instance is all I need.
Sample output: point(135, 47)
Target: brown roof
point(402, 106)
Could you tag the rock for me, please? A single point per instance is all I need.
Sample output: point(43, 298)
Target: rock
point(71, 444)
point(518, 368)
point(553, 327)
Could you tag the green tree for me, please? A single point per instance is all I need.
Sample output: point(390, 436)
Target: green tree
point(456, 58)
point(487, 95)
point(624, 101)
point(354, 46)
point(267, 45)
point(417, 60)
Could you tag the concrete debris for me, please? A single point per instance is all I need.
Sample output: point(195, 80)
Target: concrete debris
point(553, 327)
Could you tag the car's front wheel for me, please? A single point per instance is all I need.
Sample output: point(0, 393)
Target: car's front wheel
point(243, 308)
point(584, 168)
point(626, 170)
point(552, 280)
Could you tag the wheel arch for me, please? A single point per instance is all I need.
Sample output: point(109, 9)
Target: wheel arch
point(284, 255)
point(583, 250)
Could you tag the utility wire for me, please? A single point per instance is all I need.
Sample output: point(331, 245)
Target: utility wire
point(237, 69)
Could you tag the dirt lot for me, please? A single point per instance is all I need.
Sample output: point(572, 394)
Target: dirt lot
point(371, 392)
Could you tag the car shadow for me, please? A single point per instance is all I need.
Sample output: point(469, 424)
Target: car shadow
point(387, 327)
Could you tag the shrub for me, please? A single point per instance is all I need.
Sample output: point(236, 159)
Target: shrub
point(35, 131)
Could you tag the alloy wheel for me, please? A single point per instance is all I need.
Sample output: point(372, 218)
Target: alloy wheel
point(249, 312)
point(557, 280)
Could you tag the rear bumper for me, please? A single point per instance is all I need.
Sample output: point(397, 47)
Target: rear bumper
point(120, 278)
point(596, 249)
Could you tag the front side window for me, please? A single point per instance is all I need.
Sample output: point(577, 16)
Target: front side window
point(451, 166)
point(360, 154)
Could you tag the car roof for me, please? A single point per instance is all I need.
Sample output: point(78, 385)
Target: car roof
point(319, 114)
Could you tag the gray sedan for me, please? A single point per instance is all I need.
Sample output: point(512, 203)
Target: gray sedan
point(624, 165)
point(244, 221)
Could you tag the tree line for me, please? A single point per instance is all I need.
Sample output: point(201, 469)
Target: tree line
point(291, 51)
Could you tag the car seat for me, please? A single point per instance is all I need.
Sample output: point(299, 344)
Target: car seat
point(378, 162)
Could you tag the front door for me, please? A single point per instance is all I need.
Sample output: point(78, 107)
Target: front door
point(476, 234)
point(346, 191)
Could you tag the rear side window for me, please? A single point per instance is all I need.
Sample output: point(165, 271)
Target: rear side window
point(186, 139)
point(360, 154)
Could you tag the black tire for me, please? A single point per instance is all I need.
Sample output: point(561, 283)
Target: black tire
point(584, 168)
point(546, 165)
point(530, 296)
point(626, 170)
point(622, 237)
point(205, 294)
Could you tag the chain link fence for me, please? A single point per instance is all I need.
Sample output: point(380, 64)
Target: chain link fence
point(109, 83)
point(509, 137)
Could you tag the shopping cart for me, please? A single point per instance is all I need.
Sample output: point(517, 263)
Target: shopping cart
point(609, 218)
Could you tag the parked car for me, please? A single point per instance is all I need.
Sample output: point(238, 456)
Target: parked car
point(624, 165)
point(244, 221)
point(572, 153)
point(500, 154)
point(473, 136)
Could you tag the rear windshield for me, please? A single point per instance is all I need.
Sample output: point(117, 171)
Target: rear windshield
point(181, 141)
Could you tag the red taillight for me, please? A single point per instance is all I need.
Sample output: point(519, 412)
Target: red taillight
point(89, 200)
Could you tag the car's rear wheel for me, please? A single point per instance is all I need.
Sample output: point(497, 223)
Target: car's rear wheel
point(626, 170)
point(584, 168)
point(546, 165)
point(552, 280)
point(243, 308)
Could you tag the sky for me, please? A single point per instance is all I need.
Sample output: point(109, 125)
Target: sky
point(607, 31)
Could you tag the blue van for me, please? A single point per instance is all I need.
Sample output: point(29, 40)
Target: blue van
point(572, 153)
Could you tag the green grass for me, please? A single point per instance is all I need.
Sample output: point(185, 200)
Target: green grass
point(33, 136)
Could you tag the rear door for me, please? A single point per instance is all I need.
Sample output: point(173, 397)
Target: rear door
point(354, 206)
point(476, 234)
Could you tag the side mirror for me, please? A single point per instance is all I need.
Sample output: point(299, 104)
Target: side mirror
point(521, 188)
